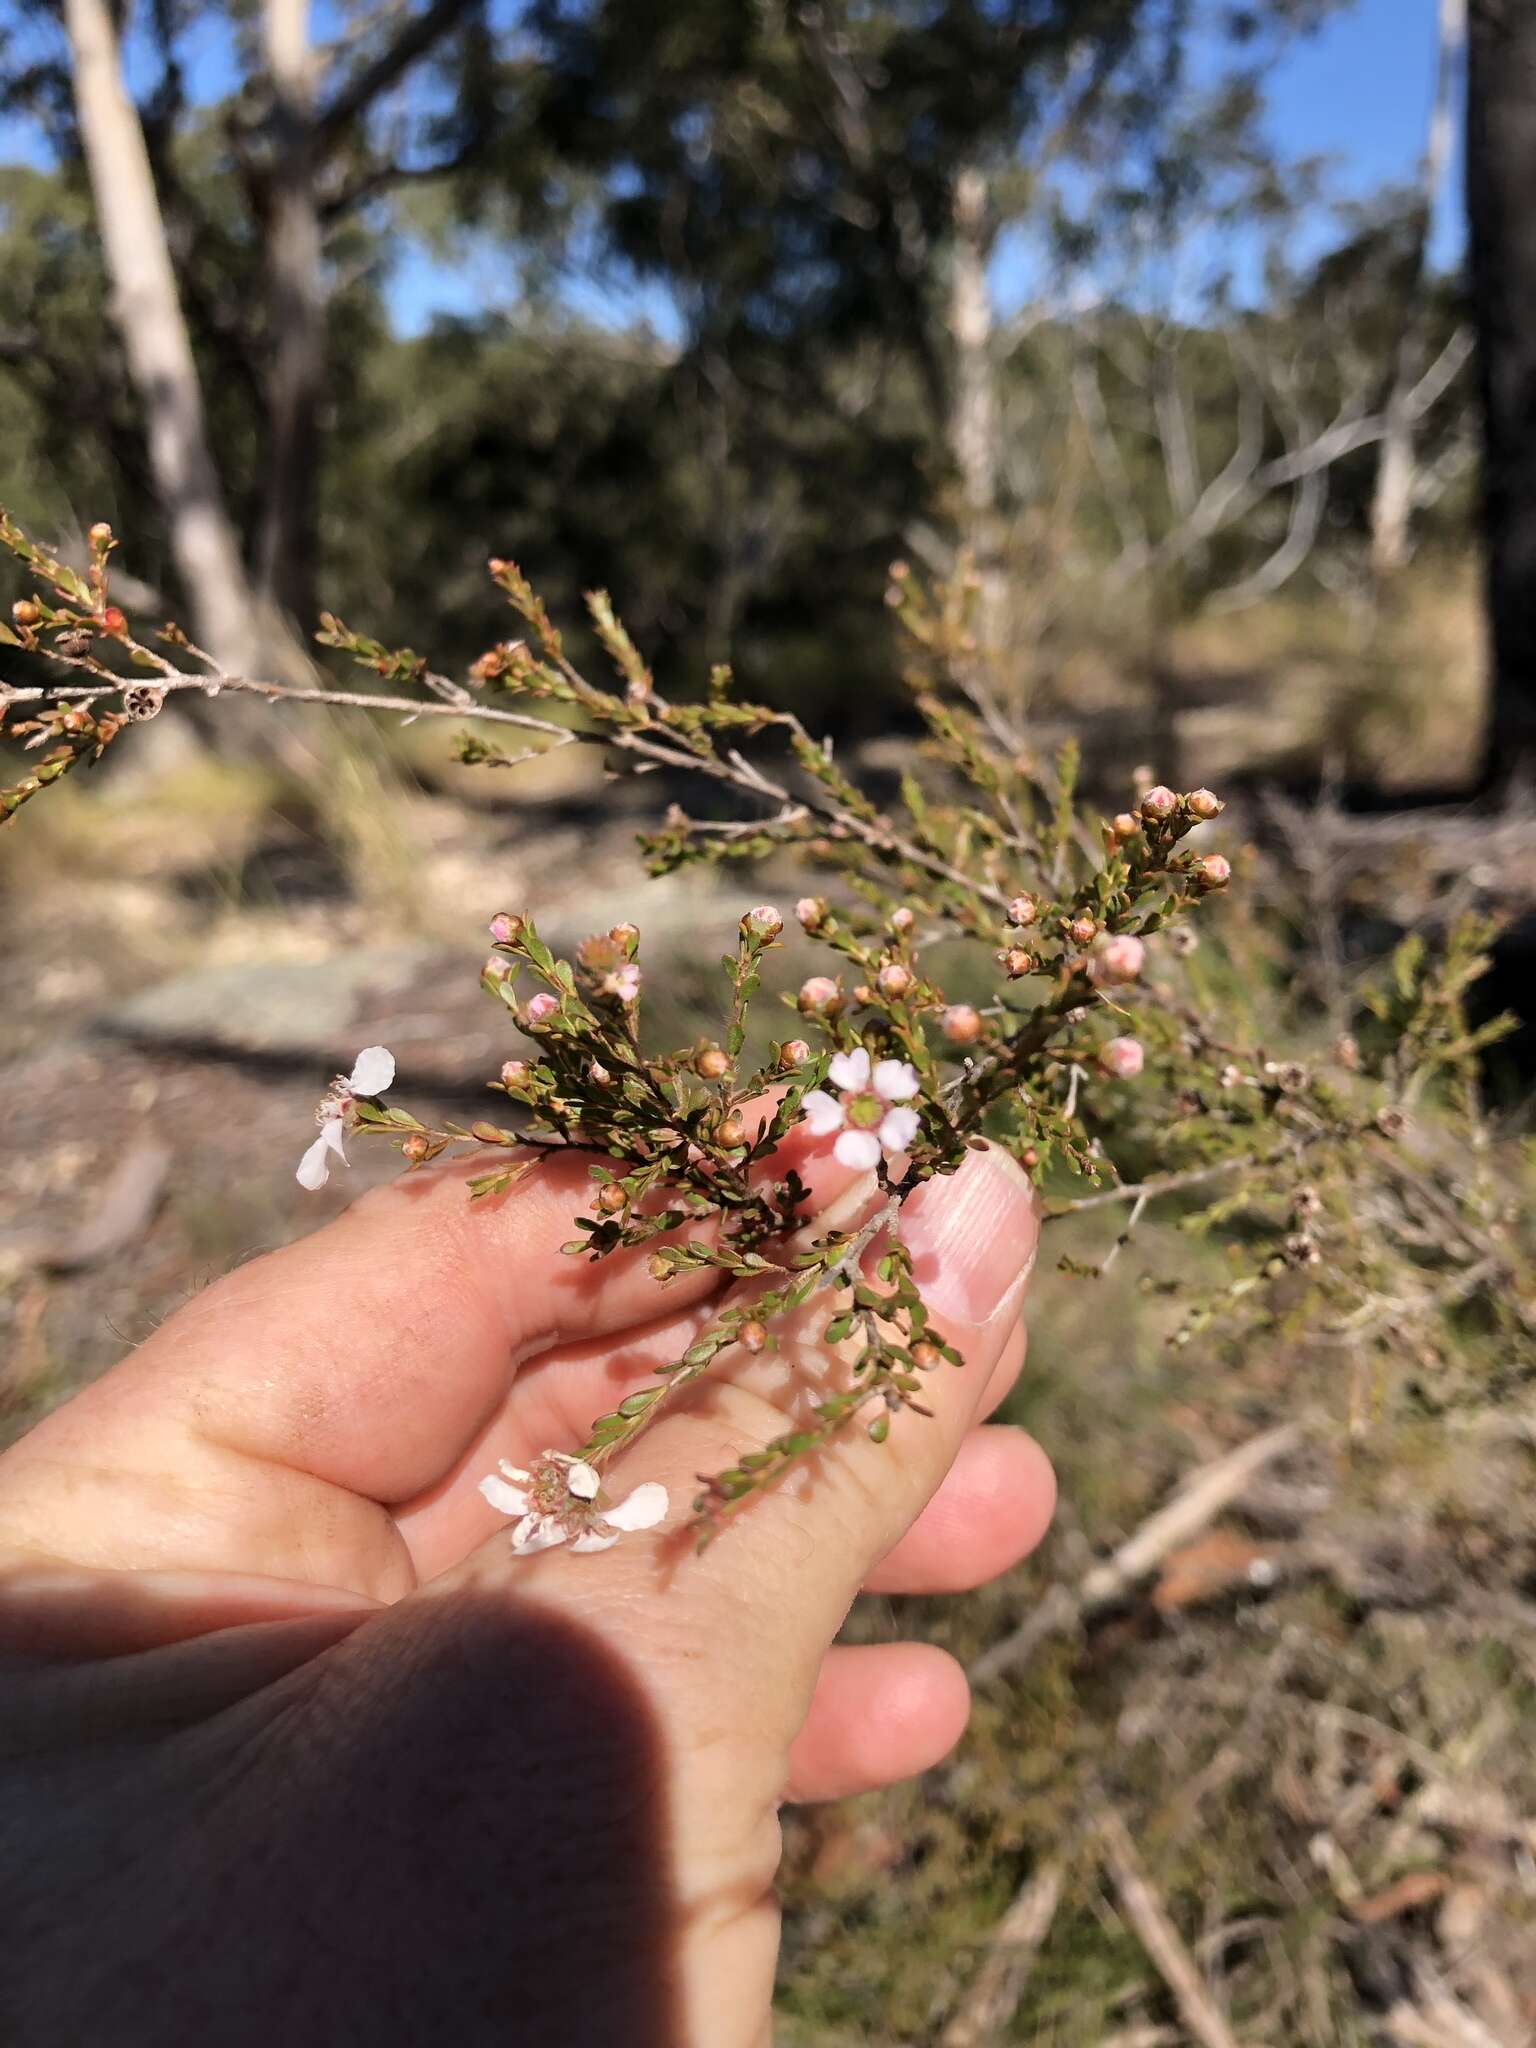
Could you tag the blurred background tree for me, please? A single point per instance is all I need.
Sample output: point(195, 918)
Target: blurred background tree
point(740, 343)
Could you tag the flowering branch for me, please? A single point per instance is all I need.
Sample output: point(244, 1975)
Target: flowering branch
point(1045, 1030)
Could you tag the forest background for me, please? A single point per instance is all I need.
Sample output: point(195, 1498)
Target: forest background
point(1192, 334)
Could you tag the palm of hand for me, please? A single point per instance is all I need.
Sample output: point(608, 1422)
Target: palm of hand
point(294, 1749)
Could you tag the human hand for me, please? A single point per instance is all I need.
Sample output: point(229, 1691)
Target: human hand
point(293, 1749)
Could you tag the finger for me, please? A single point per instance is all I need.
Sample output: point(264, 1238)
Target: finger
point(567, 1387)
point(60, 1614)
point(767, 1597)
point(880, 1713)
point(1005, 1374)
point(807, 1545)
point(268, 1425)
point(991, 1509)
point(556, 1400)
point(978, 1532)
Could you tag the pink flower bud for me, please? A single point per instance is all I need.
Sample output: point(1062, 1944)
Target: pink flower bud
point(810, 910)
point(1122, 1058)
point(763, 923)
point(1211, 871)
point(1082, 931)
point(1159, 804)
point(496, 969)
point(818, 995)
point(793, 1052)
point(505, 927)
point(961, 1024)
point(1204, 803)
point(902, 919)
point(1117, 960)
point(894, 980)
point(1023, 910)
point(1125, 825)
point(625, 935)
point(514, 1073)
point(541, 1007)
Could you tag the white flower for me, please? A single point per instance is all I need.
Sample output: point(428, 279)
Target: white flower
point(373, 1071)
point(556, 1501)
point(864, 1117)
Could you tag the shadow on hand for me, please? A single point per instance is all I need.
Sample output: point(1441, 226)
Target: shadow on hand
point(449, 1828)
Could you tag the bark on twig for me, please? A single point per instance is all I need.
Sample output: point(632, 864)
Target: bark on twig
point(1205, 1494)
point(1153, 1928)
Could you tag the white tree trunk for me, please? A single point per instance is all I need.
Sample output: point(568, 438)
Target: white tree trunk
point(148, 313)
point(296, 301)
point(974, 419)
point(1393, 498)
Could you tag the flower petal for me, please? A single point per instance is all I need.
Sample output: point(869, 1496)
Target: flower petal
point(896, 1080)
point(898, 1127)
point(373, 1071)
point(504, 1498)
point(543, 1535)
point(850, 1070)
point(857, 1149)
point(314, 1169)
point(823, 1113)
point(642, 1509)
point(589, 1540)
point(583, 1480)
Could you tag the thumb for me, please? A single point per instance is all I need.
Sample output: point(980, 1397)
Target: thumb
point(724, 1647)
point(767, 1597)
point(793, 1557)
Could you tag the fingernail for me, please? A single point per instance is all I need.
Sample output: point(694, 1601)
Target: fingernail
point(973, 1238)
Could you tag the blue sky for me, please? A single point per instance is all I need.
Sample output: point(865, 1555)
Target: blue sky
point(1356, 93)
point(1360, 92)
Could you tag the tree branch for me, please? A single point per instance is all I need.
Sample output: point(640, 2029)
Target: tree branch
point(414, 39)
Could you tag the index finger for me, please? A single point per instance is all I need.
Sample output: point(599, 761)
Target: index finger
point(271, 1423)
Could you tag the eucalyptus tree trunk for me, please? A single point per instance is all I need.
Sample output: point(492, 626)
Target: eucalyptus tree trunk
point(1501, 181)
point(1397, 460)
point(974, 423)
point(296, 301)
point(147, 311)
